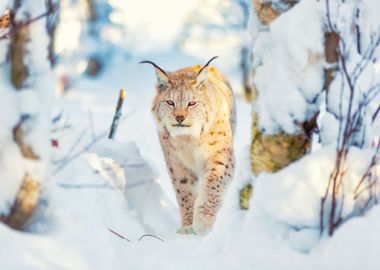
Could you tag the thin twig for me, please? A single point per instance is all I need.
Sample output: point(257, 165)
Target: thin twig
point(69, 158)
point(374, 116)
point(86, 148)
point(84, 186)
point(151, 235)
point(367, 172)
point(91, 123)
point(366, 58)
point(73, 147)
point(117, 115)
point(119, 235)
point(329, 16)
point(102, 186)
point(142, 237)
point(358, 35)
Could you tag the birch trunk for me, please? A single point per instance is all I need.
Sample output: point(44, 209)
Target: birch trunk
point(270, 153)
point(27, 197)
point(94, 64)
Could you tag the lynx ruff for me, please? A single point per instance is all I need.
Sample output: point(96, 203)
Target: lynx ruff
point(194, 110)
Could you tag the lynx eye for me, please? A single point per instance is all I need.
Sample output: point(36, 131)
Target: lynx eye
point(170, 102)
point(191, 103)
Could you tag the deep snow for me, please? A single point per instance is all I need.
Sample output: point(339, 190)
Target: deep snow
point(112, 186)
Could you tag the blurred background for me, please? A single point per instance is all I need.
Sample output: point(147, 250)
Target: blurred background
point(91, 34)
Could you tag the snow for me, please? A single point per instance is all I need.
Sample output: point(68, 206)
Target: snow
point(93, 194)
point(96, 185)
point(162, 22)
point(342, 252)
point(4, 5)
point(305, 181)
point(138, 181)
point(293, 56)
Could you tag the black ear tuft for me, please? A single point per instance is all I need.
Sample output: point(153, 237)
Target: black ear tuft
point(153, 64)
point(162, 76)
point(202, 75)
point(208, 63)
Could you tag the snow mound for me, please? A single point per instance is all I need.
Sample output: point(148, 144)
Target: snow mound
point(292, 197)
point(138, 181)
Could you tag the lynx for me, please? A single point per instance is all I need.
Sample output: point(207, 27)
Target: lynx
point(194, 111)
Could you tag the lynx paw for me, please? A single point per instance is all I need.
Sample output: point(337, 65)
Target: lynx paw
point(186, 230)
point(202, 223)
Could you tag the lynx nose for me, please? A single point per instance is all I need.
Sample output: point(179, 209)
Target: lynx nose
point(180, 118)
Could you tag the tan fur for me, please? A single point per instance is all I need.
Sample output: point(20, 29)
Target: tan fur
point(199, 155)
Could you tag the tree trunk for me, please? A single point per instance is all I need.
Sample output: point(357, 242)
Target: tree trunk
point(94, 62)
point(270, 153)
point(19, 38)
point(246, 68)
point(28, 194)
point(265, 11)
point(332, 57)
point(24, 204)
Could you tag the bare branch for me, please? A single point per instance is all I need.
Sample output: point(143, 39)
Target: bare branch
point(349, 127)
point(119, 235)
point(374, 116)
point(150, 235)
point(74, 156)
point(117, 115)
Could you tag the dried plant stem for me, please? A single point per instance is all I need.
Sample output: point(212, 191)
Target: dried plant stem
point(116, 117)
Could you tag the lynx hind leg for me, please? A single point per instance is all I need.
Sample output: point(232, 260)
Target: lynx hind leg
point(211, 194)
point(184, 181)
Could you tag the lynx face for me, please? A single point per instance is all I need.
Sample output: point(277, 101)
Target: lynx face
point(181, 108)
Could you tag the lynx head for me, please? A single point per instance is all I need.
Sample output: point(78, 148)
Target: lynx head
point(182, 103)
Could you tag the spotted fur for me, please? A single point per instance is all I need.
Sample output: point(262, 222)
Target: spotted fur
point(198, 150)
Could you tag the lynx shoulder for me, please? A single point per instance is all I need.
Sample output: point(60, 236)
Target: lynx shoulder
point(194, 110)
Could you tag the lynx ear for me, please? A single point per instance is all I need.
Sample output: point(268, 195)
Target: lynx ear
point(162, 77)
point(202, 75)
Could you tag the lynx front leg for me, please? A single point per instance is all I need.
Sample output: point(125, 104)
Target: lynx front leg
point(210, 197)
point(183, 181)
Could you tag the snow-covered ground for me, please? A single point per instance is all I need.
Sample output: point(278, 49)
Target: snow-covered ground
point(122, 185)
